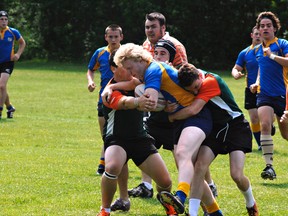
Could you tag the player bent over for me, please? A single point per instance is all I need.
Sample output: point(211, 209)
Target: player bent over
point(125, 138)
point(231, 135)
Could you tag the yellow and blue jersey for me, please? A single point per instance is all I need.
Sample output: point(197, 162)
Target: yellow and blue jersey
point(247, 60)
point(100, 61)
point(164, 78)
point(273, 76)
point(8, 36)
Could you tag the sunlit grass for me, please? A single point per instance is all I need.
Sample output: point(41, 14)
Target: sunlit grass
point(49, 152)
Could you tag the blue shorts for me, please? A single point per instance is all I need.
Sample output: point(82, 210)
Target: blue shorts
point(202, 120)
point(277, 103)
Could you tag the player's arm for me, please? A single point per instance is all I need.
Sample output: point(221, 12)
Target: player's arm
point(152, 97)
point(237, 72)
point(21, 47)
point(124, 85)
point(253, 87)
point(122, 102)
point(188, 111)
point(282, 60)
point(90, 78)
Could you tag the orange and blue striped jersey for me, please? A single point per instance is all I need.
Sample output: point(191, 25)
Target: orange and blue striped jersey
point(273, 76)
point(164, 78)
point(8, 36)
point(180, 56)
point(247, 60)
point(100, 61)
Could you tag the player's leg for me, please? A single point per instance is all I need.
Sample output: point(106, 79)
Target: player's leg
point(237, 160)
point(155, 167)
point(115, 160)
point(199, 188)
point(3, 90)
point(266, 114)
point(255, 125)
point(122, 203)
point(101, 122)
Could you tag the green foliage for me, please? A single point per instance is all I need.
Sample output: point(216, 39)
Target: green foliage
point(49, 152)
point(213, 32)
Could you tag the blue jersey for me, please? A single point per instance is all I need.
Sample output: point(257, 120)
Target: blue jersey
point(247, 60)
point(100, 61)
point(7, 41)
point(273, 76)
point(164, 78)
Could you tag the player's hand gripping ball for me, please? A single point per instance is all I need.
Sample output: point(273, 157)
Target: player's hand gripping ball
point(161, 103)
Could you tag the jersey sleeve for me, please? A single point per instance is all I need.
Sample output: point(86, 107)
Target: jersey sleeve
point(241, 59)
point(209, 89)
point(93, 63)
point(114, 100)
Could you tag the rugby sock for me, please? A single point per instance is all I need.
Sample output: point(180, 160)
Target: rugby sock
point(102, 161)
point(148, 185)
point(248, 195)
point(9, 107)
point(256, 130)
point(194, 206)
point(108, 210)
point(182, 191)
point(267, 148)
point(213, 209)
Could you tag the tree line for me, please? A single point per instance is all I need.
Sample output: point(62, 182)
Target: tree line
point(213, 32)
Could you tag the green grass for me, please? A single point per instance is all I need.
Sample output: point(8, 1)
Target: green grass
point(49, 152)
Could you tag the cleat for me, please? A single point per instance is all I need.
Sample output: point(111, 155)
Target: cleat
point(253, 211)
point(259, 148)
point(172, 200)
point(101, 169)
point(268, 173)
point(273, 130)
point(213, 189)
point(141, 191)
point(103, 213)
point(120, 204)
point(10, 112)
point(170, 211)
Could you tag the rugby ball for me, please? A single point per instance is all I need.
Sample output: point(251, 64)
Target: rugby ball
point(161, 103)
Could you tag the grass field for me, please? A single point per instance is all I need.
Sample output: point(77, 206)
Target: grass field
point(49, 152)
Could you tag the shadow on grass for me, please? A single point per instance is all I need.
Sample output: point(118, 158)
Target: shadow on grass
point(275, 185)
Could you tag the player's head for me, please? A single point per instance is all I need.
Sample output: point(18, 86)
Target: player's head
point(3, 13)
point(120, 74)
point(255, 35)
point(164, 51)
point(270, 16)
point(3, 19)
point(133, 58)
point(189, 78)
point(113, 36)
point(155, 26)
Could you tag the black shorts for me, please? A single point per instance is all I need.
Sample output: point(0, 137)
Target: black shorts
point(100, 110)
point(250, 99)
point(236, 135)
point(7, 67)
point(163, 136)
point(136, 149)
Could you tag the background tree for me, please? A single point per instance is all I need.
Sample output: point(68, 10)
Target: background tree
point(213, 32)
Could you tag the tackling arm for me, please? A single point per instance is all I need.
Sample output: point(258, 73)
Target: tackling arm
point(188, 111)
